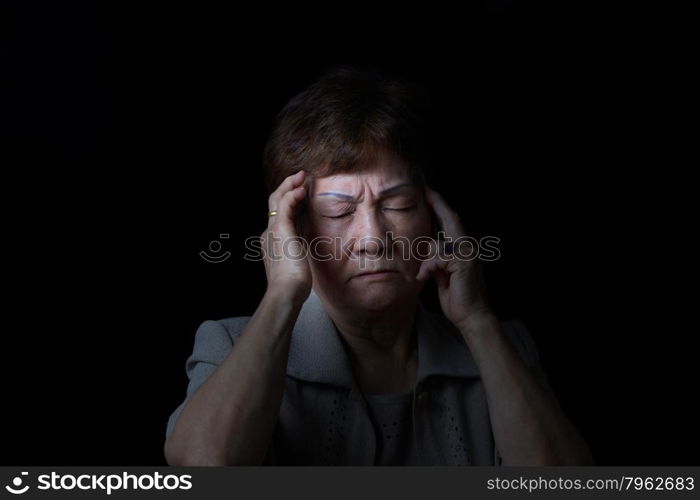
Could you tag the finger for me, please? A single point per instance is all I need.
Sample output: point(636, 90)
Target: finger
point(447, 218)
point(289, 183)
point(424, 270)
point(437, 268)
point(287, 209)
point(428, 256)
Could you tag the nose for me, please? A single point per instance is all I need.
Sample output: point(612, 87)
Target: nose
point(368, 233)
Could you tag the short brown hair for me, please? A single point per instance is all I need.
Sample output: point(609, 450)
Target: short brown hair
point(345, 120)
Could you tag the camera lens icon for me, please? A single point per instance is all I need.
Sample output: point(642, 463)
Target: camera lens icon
point(215, 247)
point(17, 483)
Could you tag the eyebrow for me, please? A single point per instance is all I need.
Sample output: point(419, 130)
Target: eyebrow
point(382, 194)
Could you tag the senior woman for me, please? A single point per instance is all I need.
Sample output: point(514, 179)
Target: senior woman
point(341, 364)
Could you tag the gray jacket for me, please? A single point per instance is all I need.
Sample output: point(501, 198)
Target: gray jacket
point(323, 418)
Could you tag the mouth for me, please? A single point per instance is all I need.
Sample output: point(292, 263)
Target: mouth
point(378, 274)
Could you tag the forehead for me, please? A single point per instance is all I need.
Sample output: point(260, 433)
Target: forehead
point(376, 177)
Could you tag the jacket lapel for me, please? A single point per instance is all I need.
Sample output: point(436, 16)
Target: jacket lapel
point(316, 352)
point(317, 355)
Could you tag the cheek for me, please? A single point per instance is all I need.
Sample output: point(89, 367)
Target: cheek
point(328, 271)
point(413, 226)
point(326, 253)
point(413, 229)
point(323, 249)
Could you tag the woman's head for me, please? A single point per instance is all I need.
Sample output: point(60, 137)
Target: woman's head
point(364, 139)
point(347, 119)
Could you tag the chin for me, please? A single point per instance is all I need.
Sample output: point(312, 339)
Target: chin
point(376, 297)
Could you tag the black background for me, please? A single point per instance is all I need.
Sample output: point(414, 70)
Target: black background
point(131, 139)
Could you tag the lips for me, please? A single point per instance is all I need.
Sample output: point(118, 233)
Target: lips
point(377, 271)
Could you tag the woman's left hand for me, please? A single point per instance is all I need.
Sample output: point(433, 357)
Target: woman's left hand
point(458, 276)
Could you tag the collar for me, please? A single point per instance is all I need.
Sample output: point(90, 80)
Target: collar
point(317, 354)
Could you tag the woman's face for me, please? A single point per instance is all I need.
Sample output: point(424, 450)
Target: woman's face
point(361, 223)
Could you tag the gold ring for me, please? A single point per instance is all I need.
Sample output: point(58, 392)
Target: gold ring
point(271, 213)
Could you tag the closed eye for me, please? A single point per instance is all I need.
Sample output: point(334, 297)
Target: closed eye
point(404, 209)
point(397, 209)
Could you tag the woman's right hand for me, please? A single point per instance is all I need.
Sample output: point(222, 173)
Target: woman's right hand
point(286, 257)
